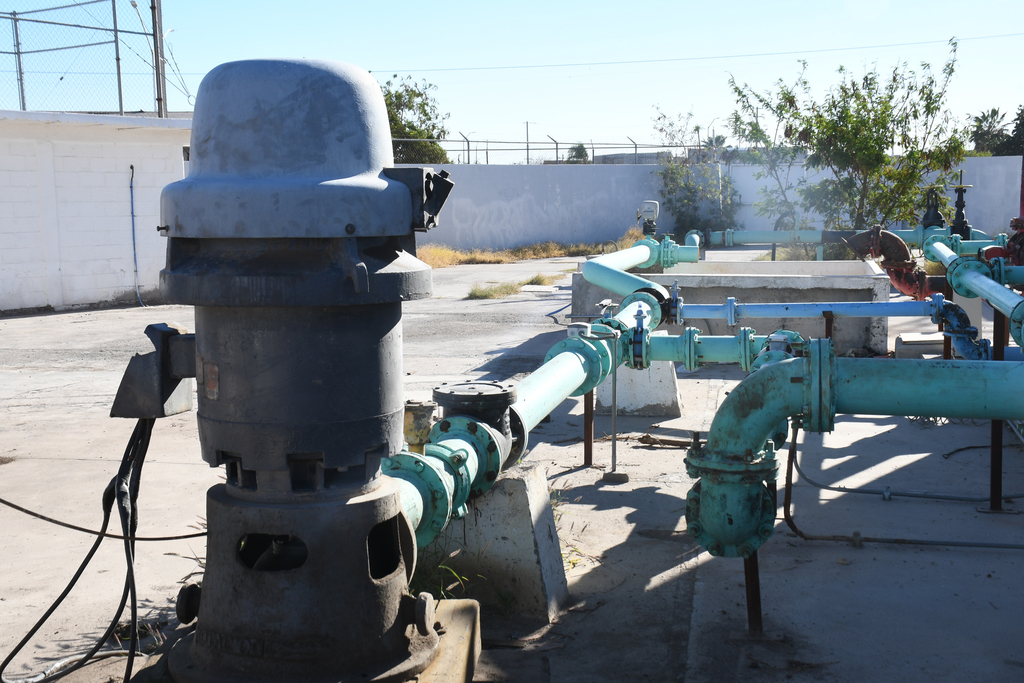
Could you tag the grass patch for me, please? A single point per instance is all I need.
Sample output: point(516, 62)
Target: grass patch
point(502, 289)
point(441, 256)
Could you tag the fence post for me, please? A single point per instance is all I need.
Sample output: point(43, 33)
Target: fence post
point(636, 155)
point(158, 59)
point(117, 60)
point(556, 149)
point(17, 56)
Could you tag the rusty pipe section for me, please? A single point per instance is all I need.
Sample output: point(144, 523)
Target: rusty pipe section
point(729, 510)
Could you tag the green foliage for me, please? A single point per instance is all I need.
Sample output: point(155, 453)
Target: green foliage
point(694, 189)
point(415, 122)
point(988, 130)
point(1013, 144)
point(880, 135)
point(577, 154)
point(763, 122)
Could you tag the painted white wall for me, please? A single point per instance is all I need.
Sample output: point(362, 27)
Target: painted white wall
point(65, 222)
point(508, 206)
point(65, 206)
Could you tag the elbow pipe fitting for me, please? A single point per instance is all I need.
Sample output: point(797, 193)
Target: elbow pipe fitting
point(964, 336)
point(694, 238)
point(729, 511)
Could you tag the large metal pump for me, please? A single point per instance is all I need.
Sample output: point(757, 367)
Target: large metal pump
point(293, 237)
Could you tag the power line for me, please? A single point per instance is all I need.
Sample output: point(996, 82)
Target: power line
point(696, 59)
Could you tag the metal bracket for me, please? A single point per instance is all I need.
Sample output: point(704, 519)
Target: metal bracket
point(156, 384)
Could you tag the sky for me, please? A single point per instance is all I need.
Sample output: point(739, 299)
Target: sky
point(597, 70)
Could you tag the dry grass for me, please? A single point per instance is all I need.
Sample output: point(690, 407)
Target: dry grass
point(441, 256)
point(503, 289)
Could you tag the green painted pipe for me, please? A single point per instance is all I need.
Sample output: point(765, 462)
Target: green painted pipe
point(549, 385)
point(731, 237)
point(694, 350)
point(725, 510)
point(916, 237)
point(609, 270)
point(983, 390)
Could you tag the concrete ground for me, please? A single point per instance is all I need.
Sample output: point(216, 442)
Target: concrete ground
point(647, 604)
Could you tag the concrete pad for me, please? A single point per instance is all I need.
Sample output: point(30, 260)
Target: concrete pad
point(507, 547)
point(652, 392)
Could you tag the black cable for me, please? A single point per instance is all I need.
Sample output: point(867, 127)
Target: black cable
point(93, 532)
point(122, 489)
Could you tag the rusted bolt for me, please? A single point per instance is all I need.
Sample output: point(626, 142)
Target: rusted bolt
point(350, 229)
point(745, 551)
point(766, 531)
point(435, 525)
point(445, 425)
point(715, 549)
point(419, 465)
point(695, 529)
point(491, 447)
point(472, 427)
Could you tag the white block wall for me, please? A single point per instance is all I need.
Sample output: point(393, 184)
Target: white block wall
point(65, 205)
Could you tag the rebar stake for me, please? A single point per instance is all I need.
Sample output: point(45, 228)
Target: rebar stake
point(752, 577)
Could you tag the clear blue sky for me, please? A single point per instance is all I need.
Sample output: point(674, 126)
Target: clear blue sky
point(604, 102)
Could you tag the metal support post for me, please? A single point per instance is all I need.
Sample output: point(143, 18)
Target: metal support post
point(158, 59)
point(752, 578)
point(995, 503)
point(947, 342)
point(615, 477)
point(556, 149)
point(588, 429)
point(117, 59)
point(17, 59)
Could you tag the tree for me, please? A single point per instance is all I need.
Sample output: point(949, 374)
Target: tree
point(988, 130)
point(695, 190)
point(763, 121)
point(577, 154)
point(416, 123)
point(1012, 144)
point(882, 137)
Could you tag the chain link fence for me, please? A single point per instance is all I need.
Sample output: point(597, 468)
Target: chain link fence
point(467, 151)
point(94, 56)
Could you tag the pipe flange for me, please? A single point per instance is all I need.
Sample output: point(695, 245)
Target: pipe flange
point(647, 297)
point(821, 406)
point(767, 357)
point(714, 519)
point(599, 361)
point(728, 237)
point(667, 254)
point(748, 467)
point(745, 341)
point(1017, 323)
point(456, 460)
point(483, 438)
point(698, 234)
point(655, 251)
point(951, 241)
point(424, 473)
point(959, 268)
point(689, 339)
point(639, 346)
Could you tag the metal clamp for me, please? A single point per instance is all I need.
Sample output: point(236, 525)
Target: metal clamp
point(675, 306)
point(732, 314)
point(639, 343)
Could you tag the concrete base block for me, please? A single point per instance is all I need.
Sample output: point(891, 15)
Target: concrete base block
point(653, 392)
point(507, 547)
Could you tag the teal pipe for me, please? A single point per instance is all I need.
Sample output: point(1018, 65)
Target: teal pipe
point(694, 350)
point(983, 390)
point(549, 385)
point(732, 237)
point(916, 237)
point(972, 277)
point(609, 270)
point(725, 510)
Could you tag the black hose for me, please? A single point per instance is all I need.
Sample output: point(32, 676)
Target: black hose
point(93, 532)
point(122, 489)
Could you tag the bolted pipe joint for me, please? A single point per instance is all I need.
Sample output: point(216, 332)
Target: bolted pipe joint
point(730, 510)
point(486, 449)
